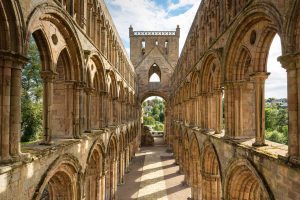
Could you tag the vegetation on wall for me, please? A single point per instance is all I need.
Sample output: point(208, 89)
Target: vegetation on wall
point(32, 95)
point(154, 114)
point(276, 122)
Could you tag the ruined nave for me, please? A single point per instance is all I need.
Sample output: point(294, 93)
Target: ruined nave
point(91, 93)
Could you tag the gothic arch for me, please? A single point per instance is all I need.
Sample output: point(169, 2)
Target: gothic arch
point(242, 181)
point(211, 173)
point(10, 30)
point(211, 90)
point(254, 16)
point(93, 177)
point(111, 160)
point(154, 69)
point(62, 179)
point(293, 30)
point(195, 167)
point(186, 156)
point(45, 13)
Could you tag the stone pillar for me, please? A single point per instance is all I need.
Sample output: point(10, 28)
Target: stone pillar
point(88, 92)
point(291, 62)
point(48, 78)
point(259, 83)
point(219, 110)
point(15, 110)
point(10, 106)
point(102, 187)
point(78, 90)
point(104, 41)
point(127, 159)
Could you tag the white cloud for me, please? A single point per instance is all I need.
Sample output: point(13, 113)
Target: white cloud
point(146, 15)
point(276, 84)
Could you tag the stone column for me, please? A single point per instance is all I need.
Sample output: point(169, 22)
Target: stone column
point(88, 92)
point(102, 187)
point(48, 78)
point(78, 90)
point(115, 111)
point(259, 83)
point(10, 106)
point(291, 62)
point(219, 110)
point(15, 109)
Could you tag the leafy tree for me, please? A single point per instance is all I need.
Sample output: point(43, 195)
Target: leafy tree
point(149, 120)
point(276, 123)
point(32, 92)
point(154, 113)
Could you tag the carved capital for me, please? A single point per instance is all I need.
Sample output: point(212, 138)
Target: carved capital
point(259, 76)
point(289, 61)
point(48, 76)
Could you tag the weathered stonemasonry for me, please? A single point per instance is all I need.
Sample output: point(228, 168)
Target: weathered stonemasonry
point(90, 110)
point(93, 94)
point(154, 52)
point(225, 55)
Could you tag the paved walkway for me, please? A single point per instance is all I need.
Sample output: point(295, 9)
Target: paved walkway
point(153, 175)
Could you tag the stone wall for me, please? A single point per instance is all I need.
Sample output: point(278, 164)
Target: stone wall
point(223, 65)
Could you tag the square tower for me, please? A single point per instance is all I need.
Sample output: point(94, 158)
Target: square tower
point(143, 42)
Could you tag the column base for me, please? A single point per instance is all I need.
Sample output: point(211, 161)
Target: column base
point(295, 160)
point(259, 144)
point(14, 159)
point(46, 143)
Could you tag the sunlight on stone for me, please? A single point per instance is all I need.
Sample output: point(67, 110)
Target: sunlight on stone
point(79, 148)
point(30, 170)
point(3, 183)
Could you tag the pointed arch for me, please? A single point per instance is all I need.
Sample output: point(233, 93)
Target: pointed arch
point(254, 17)
point(242, 181)
point(211, 173)
point(63, 23)
point(12, 36)
point(61, 179)
point(195, 167)
point(95, 168)
point(154, 69)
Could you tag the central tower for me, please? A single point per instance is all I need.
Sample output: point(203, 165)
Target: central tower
point(154, 53)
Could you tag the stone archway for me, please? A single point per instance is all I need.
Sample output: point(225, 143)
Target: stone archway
point(243, 182)
point(94, 174)
point(111, 177)
point(211, 175)
point(195, 168)
point(61, 180)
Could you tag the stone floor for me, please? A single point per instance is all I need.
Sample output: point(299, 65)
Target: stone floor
point(153, 175)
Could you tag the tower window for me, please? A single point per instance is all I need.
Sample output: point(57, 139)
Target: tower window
point(154, 73)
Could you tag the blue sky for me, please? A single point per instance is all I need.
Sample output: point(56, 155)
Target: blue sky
point(160, 15)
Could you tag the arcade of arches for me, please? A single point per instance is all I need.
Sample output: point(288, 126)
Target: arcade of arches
point(92, 94)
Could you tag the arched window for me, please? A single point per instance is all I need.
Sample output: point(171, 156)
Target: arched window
point(166, 46)
point(154, 73)
point(156, 42)
point(143, 46)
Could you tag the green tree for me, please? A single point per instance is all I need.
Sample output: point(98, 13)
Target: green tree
point(32, 91)
point(149, 120)
point(154, 113)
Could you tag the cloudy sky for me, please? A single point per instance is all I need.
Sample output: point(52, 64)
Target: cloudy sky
point(160, 15)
